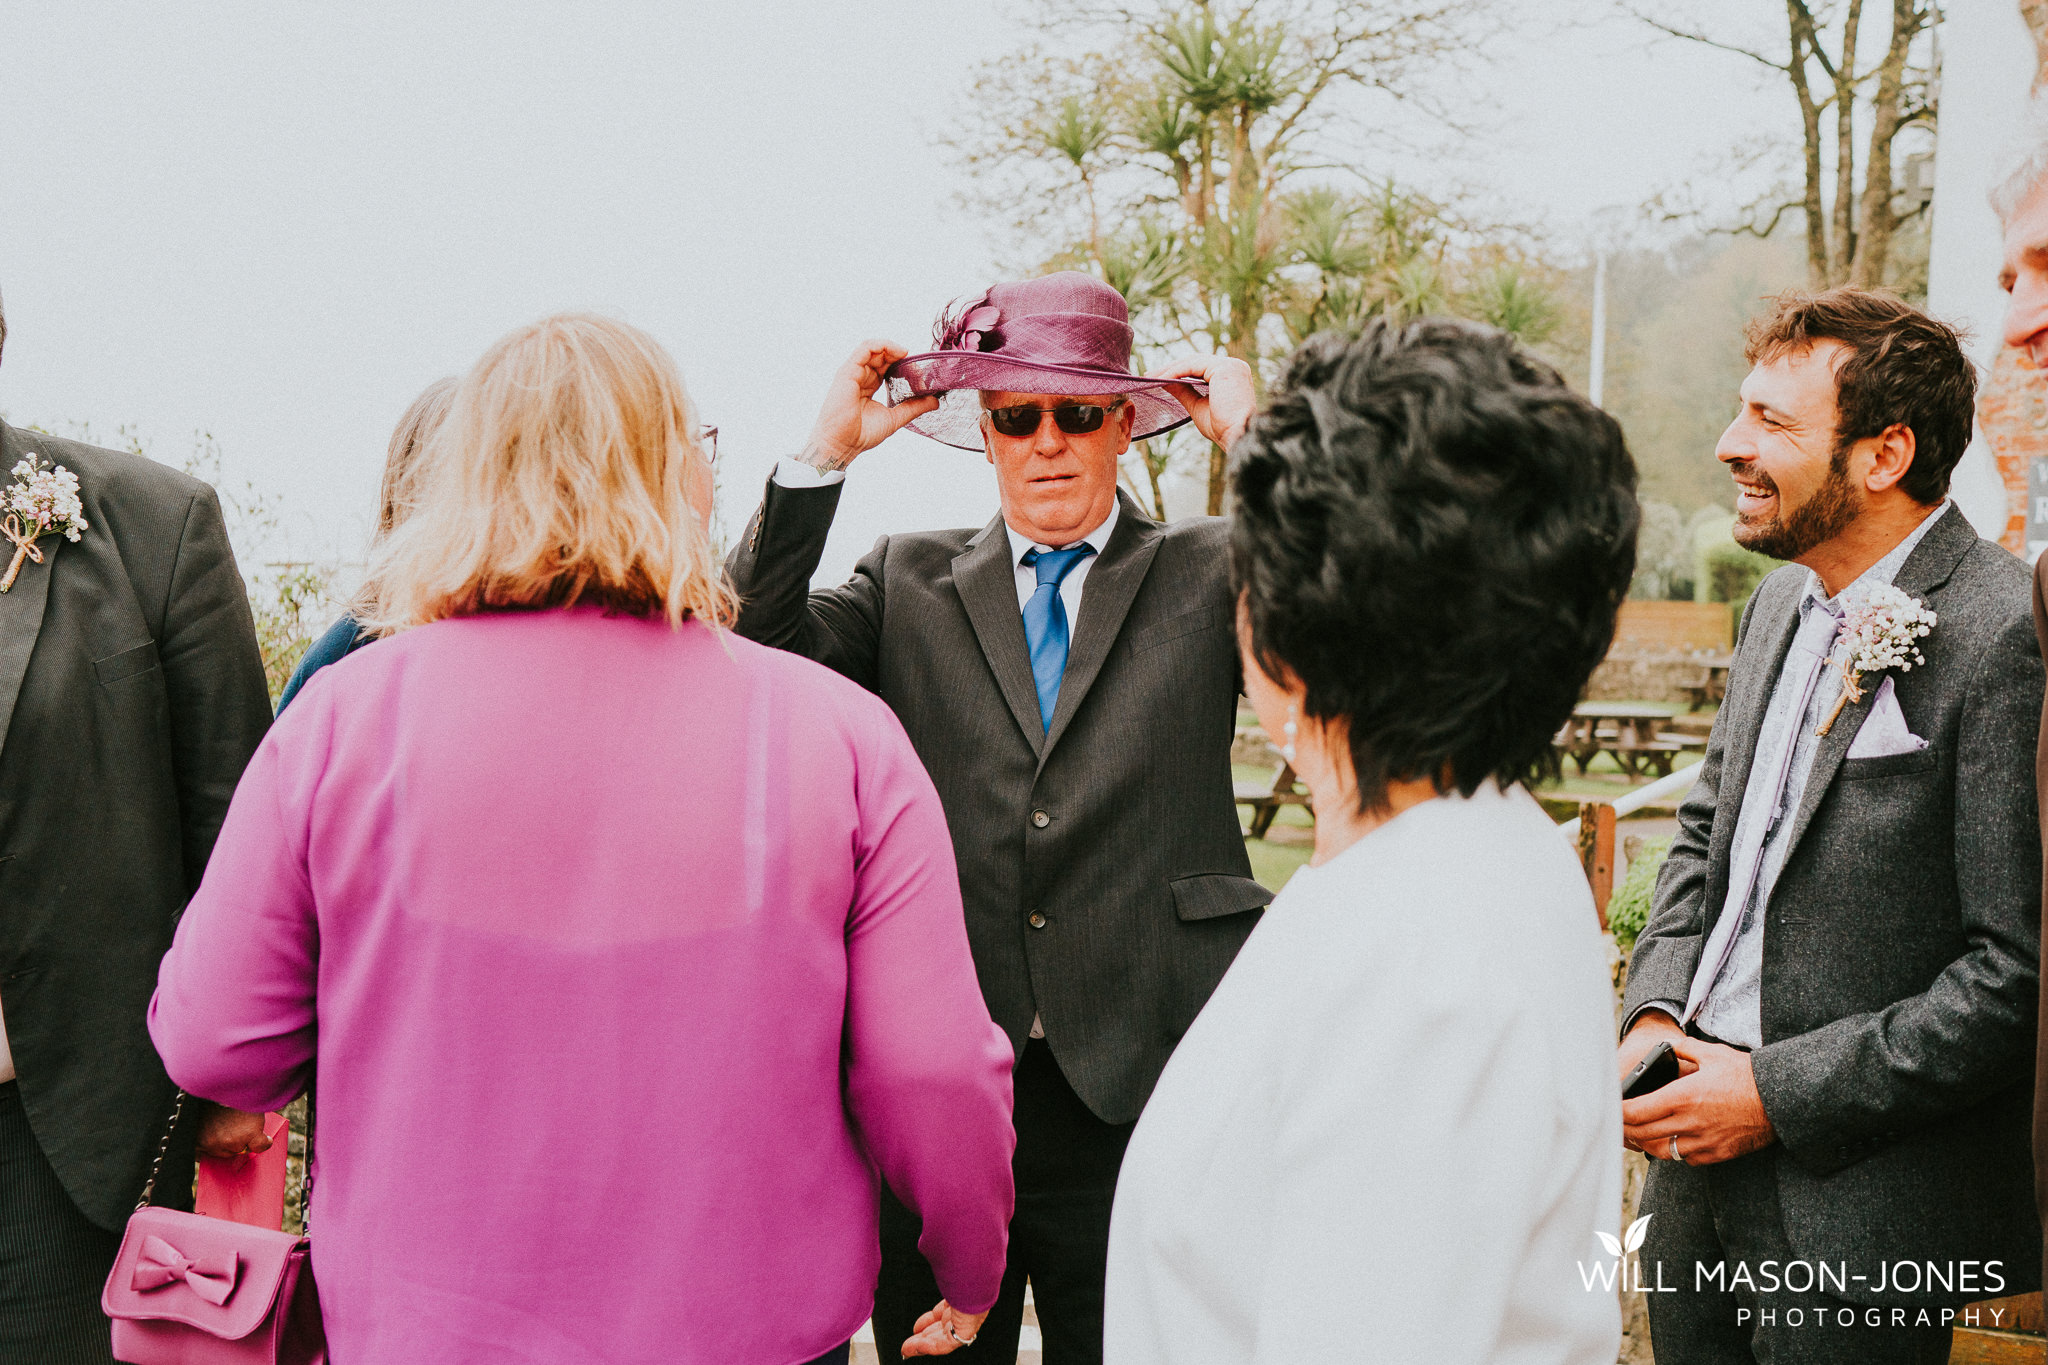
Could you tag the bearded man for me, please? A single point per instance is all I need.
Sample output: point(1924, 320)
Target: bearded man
point(1844, 945)
point(1069, 675)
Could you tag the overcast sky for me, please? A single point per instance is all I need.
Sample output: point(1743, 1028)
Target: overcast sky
point(278, 221)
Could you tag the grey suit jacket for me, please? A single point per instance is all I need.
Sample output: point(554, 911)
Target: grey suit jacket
point(1102, 865)
point(131, 697)
point(1902, 940)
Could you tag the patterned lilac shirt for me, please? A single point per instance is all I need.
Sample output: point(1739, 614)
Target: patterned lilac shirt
point(1732, 1010)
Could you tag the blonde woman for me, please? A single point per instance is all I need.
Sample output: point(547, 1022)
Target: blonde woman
point(632, 949)
point(395, 499)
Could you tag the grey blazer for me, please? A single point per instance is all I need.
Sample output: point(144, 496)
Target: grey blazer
point(131, 697)
point(1902, 940)
point(1102, 865)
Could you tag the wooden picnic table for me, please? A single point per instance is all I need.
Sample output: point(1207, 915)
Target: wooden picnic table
point(1709, 682)
point(1634, 732)
point(1263, 799)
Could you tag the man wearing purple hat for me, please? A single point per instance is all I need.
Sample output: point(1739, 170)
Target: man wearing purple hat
point(1069, 675)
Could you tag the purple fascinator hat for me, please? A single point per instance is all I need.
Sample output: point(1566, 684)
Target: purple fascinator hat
point(1067, 333)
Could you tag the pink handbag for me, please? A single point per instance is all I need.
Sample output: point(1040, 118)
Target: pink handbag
point(191, 1290)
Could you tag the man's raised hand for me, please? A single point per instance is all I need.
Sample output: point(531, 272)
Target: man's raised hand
point(851, 420)
point(1232, 398)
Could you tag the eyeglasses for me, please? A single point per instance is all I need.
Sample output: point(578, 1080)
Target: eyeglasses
point(1075, 419)
point(707, 441)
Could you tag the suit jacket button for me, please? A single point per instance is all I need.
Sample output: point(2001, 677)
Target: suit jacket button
point(1040, 819)
point(1037, 920)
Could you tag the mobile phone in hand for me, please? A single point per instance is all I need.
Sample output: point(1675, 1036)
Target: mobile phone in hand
point(1658, 1069)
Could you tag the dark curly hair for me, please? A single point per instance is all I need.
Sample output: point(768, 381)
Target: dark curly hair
point(1433, 533)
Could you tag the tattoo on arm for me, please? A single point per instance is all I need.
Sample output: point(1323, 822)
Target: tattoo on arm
point(822, 462)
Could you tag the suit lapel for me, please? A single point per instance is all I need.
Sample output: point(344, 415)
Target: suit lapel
point(987, 583)
point(1925, 570)
point(1771, 638)
point(21, 607)
point(1106, 597)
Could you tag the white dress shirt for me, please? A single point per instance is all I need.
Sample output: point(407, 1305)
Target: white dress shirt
point(1727, 988)
point(791, 473)
point(1345, 1160)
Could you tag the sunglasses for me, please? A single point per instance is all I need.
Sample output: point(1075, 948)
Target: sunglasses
point(707, 441)
point(1075, 419)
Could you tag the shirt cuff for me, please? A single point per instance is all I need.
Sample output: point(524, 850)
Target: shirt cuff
point(1674, 1008)
point(793, 473)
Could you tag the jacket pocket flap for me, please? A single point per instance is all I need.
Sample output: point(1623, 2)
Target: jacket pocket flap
point(1215, 894)
point(1891, 765)
point(126, 664)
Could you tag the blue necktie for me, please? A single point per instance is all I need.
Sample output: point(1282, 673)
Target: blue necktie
point(1045, 622)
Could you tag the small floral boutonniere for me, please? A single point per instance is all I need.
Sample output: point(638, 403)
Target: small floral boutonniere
point(42, 501)
point(1879, 630)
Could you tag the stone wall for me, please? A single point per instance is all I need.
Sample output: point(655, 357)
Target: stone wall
point(1643, 675)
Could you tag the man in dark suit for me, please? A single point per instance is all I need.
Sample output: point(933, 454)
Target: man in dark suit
point(1845, 942)
point(1069, 675)
point(2022, 204)
point(131, 696)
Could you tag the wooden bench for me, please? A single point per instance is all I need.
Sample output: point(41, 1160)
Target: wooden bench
point(1266, 798)
point(1636, 735)
point(1707, 682)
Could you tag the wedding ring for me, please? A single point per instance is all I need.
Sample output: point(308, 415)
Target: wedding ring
point(1674, 1147)
point(959, 1340)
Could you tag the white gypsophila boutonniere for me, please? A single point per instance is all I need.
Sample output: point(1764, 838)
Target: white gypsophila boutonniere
point(42, 501)
point(1880, 630)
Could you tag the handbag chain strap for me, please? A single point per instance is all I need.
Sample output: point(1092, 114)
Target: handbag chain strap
point(163, 1149)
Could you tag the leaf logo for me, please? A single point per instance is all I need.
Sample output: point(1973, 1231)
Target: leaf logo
point(1629, 1240)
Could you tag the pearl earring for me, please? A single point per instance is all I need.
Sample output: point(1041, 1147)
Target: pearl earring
point(1290, 729)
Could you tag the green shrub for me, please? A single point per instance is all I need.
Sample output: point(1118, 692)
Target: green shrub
point(1629, 909)
point(1724, 571)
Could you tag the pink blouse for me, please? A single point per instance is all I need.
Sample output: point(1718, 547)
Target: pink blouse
point(631, 955)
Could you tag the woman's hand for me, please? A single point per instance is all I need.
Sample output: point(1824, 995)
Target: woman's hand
point(851, 421)
point(943, 1331)
point(225, 1134)
point(1232, 395)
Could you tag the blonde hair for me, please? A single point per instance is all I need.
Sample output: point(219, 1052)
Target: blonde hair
point(400, 487)
point(561, 475)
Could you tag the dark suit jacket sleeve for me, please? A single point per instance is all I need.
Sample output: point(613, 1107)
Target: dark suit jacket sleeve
point(1835, 1091)
point(771, 570)
point(213, 675)
point(1667, 952)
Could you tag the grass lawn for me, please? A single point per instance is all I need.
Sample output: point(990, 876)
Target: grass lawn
point(1273, 864)
point(1287, 844)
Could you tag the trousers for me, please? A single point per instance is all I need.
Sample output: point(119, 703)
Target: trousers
point(1065, 1166)
point(53, 1259)
point(1729, 1213)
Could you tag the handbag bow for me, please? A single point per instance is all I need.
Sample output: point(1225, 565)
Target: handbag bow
point(211, 1278)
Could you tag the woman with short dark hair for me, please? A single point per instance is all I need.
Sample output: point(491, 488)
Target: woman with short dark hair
point(1393, 1131)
